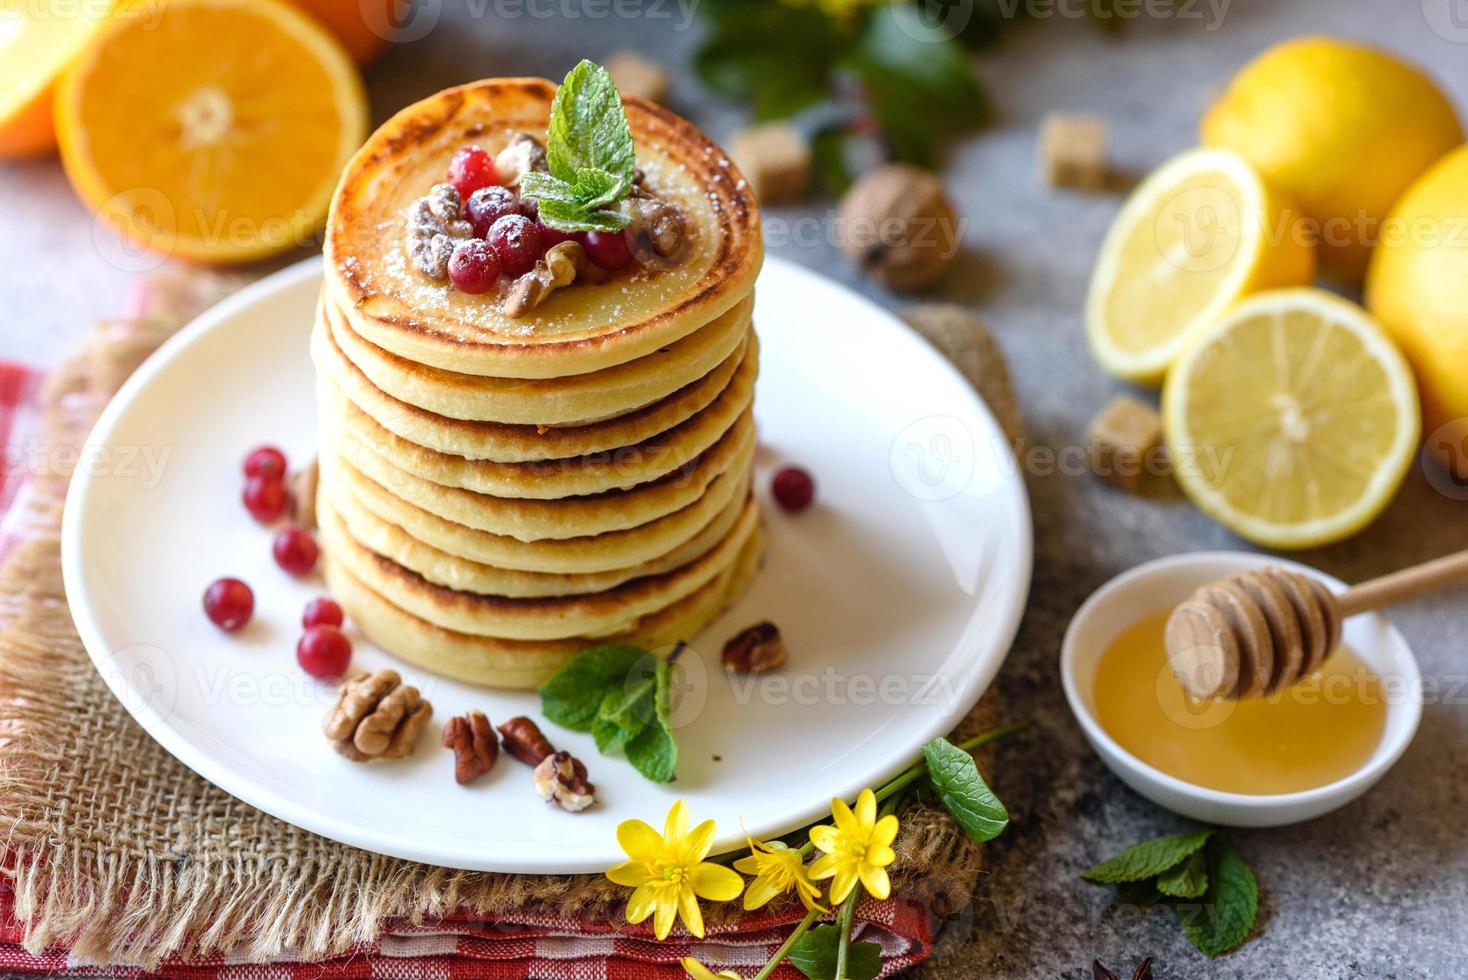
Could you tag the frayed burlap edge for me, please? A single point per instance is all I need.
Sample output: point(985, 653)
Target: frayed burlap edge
point(119, 852)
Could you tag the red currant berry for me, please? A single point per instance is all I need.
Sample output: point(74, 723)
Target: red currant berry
point(794, 489)
point(265, 498)
point(324, 651)
point(295, 550)
point(608, 249)
point(474, 267)
point(322, 612)
point(517, 242)
point(228, 603)
point(470, 169)
point(551, 237)
point(267, 461)
point(488, 205)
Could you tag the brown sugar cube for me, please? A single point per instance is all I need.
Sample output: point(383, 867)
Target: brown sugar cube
point(635, 75)
point(1122, 440)
point(1073, 152)
point(775, 159)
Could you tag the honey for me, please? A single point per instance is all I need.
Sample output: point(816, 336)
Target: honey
point(1318, 731)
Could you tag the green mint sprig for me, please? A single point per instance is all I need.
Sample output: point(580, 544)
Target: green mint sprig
point(620, 695)
point(589, 151)
point(1212, 891)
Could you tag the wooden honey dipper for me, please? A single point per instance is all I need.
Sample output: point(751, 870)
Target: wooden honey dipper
point(1256, 632)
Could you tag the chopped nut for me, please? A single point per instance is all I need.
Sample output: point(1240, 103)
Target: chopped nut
point(303, 494)
point(1121, 441)
point(521, 155)
point(658, 227)
point(775, 158)
point(435, 226)
point(475, 745)
point(558, 267)
point(637, 76)
point(1073, 152)
point(561, 779)
point(524, 741)
point(755, 650)
point(376, 716)
point(898, 225)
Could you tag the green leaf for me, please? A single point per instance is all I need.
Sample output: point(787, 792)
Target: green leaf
point(1187, 880)
point(544, 187)
point(596, 188)
point(1143, 894)
point(1149, 859)
point(777, 57)
point(654, 753)
point(572, 697)
point(588, 127)
point(569, 216)
point(814, 954)
point(1225, 916)
point(829, 159)
point(609, 735)
point(963, 792)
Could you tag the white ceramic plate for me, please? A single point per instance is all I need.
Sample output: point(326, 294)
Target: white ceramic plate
point(899, 592)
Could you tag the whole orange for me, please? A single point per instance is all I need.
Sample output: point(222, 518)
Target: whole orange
point(362, 26)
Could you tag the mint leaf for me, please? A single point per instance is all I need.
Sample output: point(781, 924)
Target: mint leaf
point(543, 187)
point(963, 792)
point(610, 737)
point(573, 695)
point(569, 216)
point(654, 753)
point(1226, 915)
point(596, 188)
point(1148, 860)
point(588, 127)
point(814, 954)
point(1187, 880)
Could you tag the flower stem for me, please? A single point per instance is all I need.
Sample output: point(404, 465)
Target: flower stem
point(789, 944)
point(843, 926)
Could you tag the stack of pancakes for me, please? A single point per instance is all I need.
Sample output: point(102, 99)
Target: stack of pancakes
point(498, 494)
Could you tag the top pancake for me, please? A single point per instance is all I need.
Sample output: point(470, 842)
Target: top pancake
point(583, 328)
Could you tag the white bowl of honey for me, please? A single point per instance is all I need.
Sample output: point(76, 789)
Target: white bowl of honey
point(1294, 754)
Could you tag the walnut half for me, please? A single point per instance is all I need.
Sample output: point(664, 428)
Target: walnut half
point(561, 779)
point(376, 716)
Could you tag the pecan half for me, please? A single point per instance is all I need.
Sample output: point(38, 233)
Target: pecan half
point(561, 779)
point(475, 745)
point(376, 716)
point(524, 740)
point(559, 267)
point(755, 650)
point(658, 227)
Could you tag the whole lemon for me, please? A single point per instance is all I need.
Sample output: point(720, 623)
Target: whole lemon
point(1417, 286)
point(1342, 127)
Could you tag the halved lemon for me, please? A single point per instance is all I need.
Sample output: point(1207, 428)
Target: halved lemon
point(214, 130)
point(1201, 232)
point(38, 39)
point(1292, 419)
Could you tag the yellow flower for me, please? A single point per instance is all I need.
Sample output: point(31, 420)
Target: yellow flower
point(776, 869)
point(669, 873)
point(859, 847)
point(698, 971)
point(842, 10)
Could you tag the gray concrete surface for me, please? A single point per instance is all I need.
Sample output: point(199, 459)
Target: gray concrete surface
point(1379, 889)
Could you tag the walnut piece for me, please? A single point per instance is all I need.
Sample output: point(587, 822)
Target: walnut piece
point(658, 227)
point(561, 779)
point(899, 226)
point(376, 716)
point(475, 745)
point(521, 155)
point(524, 740)
point(755, 650)
point(303, 494)
point(435, 225)
point(559, 267)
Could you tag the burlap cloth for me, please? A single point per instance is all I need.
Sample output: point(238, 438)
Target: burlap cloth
point(120, 852)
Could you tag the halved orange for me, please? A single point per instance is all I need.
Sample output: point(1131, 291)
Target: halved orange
point(38, 39)
point(214, 132)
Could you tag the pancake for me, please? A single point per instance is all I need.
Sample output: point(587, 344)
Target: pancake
point(527, 443)
point(605, 613)
point(584, 555)
point(574, 400)
point(568, 517)
point(524, 664)
point(463, 575)
point(588, 328)
point(618, 469)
